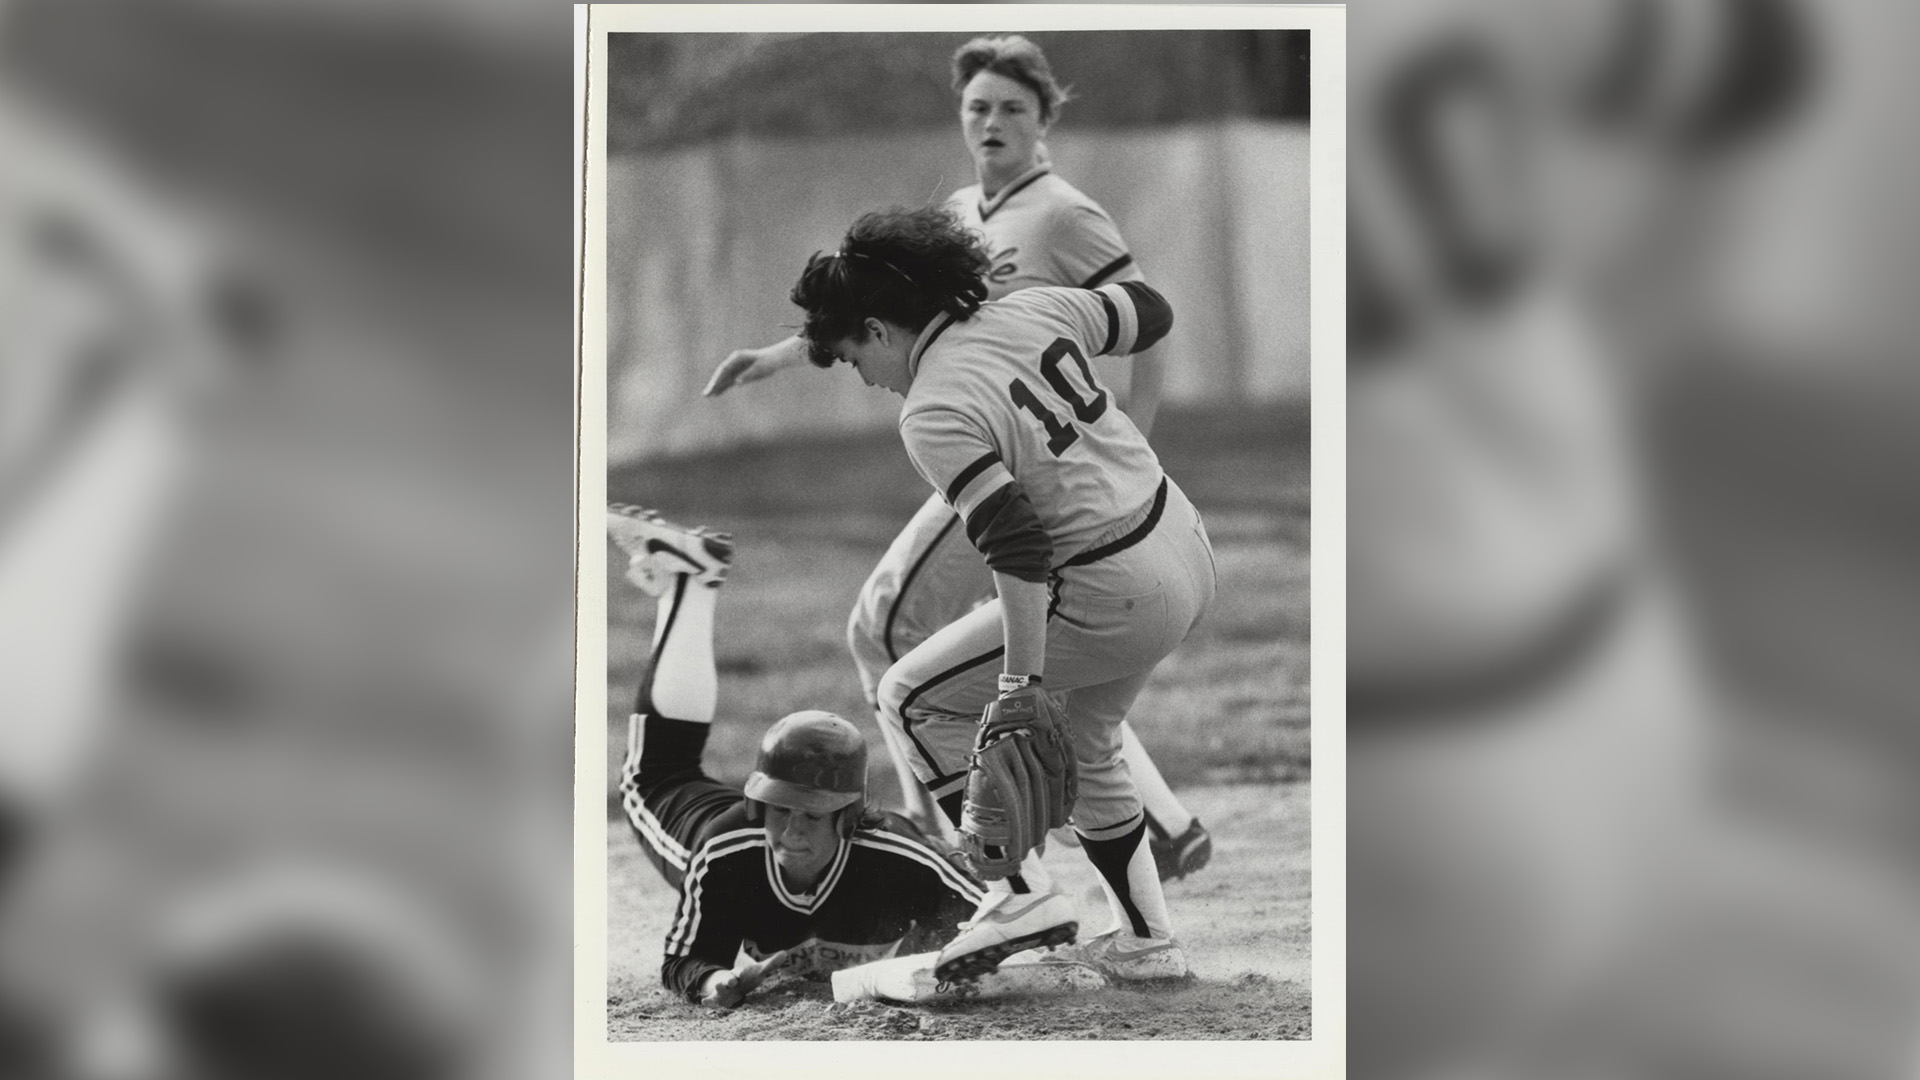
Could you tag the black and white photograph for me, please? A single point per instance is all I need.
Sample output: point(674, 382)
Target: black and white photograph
point(963, 380)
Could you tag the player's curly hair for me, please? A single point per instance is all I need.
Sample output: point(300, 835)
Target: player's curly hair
point(1016, 58)
point(897, 265)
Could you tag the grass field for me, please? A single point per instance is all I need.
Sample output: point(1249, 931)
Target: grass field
point(1226, 717)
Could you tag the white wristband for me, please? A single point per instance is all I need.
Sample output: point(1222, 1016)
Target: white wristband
point(1010, 683)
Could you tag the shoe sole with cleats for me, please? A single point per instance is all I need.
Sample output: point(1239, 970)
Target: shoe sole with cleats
point(660, 548)
point(979, 962)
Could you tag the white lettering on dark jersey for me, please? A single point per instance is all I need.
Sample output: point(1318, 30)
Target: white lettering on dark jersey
point(816, 957)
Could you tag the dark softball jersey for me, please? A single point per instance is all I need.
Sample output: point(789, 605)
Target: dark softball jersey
point(883, 895)
point(886, 892)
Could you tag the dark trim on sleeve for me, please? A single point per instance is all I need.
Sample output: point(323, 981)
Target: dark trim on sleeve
point(1108, 271)
point(1113, 323)
point(1007, 530)
point(980, 464)
point(1154, 313)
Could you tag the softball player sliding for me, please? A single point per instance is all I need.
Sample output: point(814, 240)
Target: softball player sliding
point(1038, 230)
point(1100, 564)
point(794, 873)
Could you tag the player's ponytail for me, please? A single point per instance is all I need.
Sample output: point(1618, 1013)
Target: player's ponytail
point(897, 265)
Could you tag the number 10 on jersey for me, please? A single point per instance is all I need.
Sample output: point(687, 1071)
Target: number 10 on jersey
point(1086, 407)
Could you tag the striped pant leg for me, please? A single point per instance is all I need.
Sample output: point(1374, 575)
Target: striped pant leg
point(933, 697)
point(1115, 620)
point(930, 576)
point(936, 694)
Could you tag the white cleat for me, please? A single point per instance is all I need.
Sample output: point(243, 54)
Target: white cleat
point(1122, 957)
point(658, 550)
point(1004, 924)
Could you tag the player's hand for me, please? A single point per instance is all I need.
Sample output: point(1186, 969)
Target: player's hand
point(725, 989)
point(743, 366)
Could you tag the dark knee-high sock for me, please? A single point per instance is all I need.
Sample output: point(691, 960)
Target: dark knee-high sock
point(1132, 884)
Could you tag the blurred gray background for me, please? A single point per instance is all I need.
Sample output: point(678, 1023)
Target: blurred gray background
point(377, 535)
point(288, 395)
point(1628, 301)
point(733, 157)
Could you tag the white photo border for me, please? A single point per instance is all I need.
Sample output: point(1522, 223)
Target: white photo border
point(1322, 1056)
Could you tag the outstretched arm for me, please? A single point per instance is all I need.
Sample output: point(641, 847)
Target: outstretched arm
point(706, 932)
point(751, 365)
point(724, 989)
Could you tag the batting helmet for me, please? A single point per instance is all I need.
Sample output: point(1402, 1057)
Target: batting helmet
point(813, 761)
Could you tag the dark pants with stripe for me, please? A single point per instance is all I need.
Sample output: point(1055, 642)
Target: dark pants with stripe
point(671, 803)
point(1114, 620)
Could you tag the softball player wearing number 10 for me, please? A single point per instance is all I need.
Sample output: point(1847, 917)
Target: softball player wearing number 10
point(1038, 230)
point(1100, 563)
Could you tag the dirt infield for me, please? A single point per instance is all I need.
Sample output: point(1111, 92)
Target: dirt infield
point(1244, 920)
point(1226, 718)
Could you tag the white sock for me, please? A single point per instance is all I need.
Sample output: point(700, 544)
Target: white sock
point(1163, 807)
point(1035, 873)
point(684, 684)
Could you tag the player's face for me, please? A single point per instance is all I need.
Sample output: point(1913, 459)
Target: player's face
point(881, 358)
point(1001, 120)
point(803, 843)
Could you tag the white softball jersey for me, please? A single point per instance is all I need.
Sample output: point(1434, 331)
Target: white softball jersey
point(1040, 230)
point(1009, 395)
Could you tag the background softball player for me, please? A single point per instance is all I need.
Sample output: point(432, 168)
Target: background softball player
point(1100, 562)
point(1038, 230)
point(792, 874)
